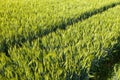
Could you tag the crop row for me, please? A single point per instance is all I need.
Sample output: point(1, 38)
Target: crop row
point(115, 73)
point(26, 20)
point(85, 41)
point(64, 54)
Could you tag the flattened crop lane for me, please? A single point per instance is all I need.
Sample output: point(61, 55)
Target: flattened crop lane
point(75, 47)
point(6, 43)
point(100, 38)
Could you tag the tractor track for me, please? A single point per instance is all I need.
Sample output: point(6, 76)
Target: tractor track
point(63, 26)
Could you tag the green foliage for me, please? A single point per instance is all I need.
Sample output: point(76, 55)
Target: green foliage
point(63, 54)
point(22, 20)
point(116, 73)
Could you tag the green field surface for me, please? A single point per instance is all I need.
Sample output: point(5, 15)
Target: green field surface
point(22, 20)
point(115, 73)
point(59, 40)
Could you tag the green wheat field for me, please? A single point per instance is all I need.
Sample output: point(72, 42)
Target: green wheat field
point(59, 39)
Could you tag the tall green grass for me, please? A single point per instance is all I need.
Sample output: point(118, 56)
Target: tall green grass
point(22, 20)
point(64, 54)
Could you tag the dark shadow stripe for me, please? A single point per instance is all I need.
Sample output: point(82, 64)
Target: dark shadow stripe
point(103, 68)
point(5, 45)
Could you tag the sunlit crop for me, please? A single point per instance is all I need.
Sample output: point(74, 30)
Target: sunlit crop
point(59, 39)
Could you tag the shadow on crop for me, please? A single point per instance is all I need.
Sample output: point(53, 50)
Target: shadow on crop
point(103, 68)
point(54, 28)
